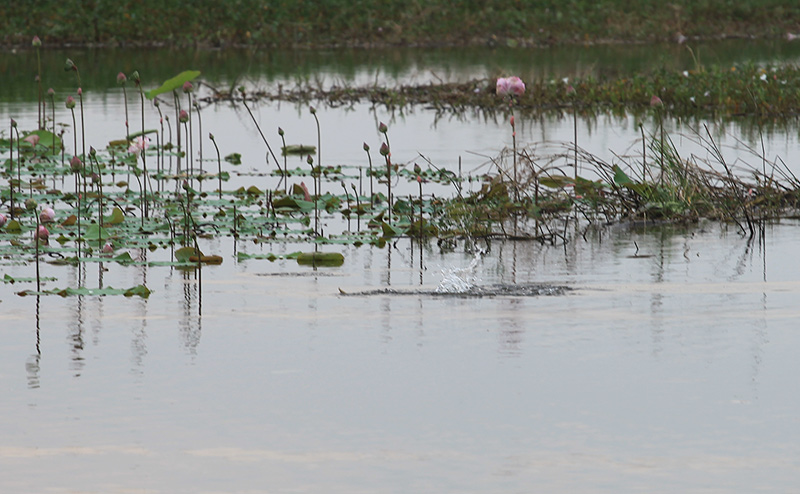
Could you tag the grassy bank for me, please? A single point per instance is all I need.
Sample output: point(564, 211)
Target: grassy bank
point(357, 23)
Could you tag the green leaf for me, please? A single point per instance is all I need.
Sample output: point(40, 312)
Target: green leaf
point(116, 217)
point(47, 139)
point(13, 226)
point(620, 177)
point(391, 230)
point(173, 84)
point(184, 253)
point(234, 158)
point(298, 149)
point(94, 232)
point(328, 259)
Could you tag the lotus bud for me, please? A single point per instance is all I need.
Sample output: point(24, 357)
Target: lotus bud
point(384, 149)
point(36, 43)
point(3, 220)
point(135, 77)
point(108, 248)
point(156, 102)
point(95, 178)
point(280, 131)
point(48, 215)
point(187, 87)
point(313, 110)
point(512, 120)
point(30, 204)
point(70, 102)
point(211, 136)
point(75, 164)
point(92, 151)
point(417, 169)
point(70, 65)
point(42, 234)
point(310, 160)
point(185, 185)
point(382, 128)
point(80, 91)
point(121, 79)
point(51, 92)
point(655, 101)
point(366, 147)
point(13, 123)
point(183, 116)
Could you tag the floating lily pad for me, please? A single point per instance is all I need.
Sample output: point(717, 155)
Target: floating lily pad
point(322, 259)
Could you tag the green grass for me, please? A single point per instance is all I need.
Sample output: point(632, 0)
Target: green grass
point(358, 22)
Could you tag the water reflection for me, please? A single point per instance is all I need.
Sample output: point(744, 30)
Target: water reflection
point(32, 364)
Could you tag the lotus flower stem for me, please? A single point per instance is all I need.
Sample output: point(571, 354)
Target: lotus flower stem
point(219, 164)
point(285, 177)
point(83, 129)
point(52, 94)
point(200, 137)
point(371, 190)
point(11, 169)
point(178, 127)
point(190, 137)
point(310, 161)
point(258, 127)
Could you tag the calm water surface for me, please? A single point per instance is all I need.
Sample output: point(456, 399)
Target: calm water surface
point(667, 368)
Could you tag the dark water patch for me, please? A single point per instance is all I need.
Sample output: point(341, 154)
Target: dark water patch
point(497, 290)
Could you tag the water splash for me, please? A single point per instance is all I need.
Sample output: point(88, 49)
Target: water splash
point(460, 280)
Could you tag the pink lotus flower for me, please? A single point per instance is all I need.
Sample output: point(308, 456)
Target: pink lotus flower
point(42, 234)
point(306, 195)
point(3, 220)
point(47, 215)
point(108, 248)
point(656, 101)
point(138, 145)
point(510, 85)
point(33, 139)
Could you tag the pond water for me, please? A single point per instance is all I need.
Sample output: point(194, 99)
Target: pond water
point(668, 365)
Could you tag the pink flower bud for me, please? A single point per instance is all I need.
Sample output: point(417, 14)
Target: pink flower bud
point(108, 248)
point(42, 234)
point(512, 120)
point(47, 215)
point(80, 91)
point(121, 78)
point(384, 150)
point(70, 102)
point(51, 92)
point(366, 147)
point(187, 87)
point(3, 220)
point(75, 164)
point(183, 116)
point(382, 128)
point(36, 43)
point(655, 101)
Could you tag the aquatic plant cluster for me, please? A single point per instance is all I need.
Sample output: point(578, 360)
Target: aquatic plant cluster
point(705, 92)
point(154, 190)
point(337, 22)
